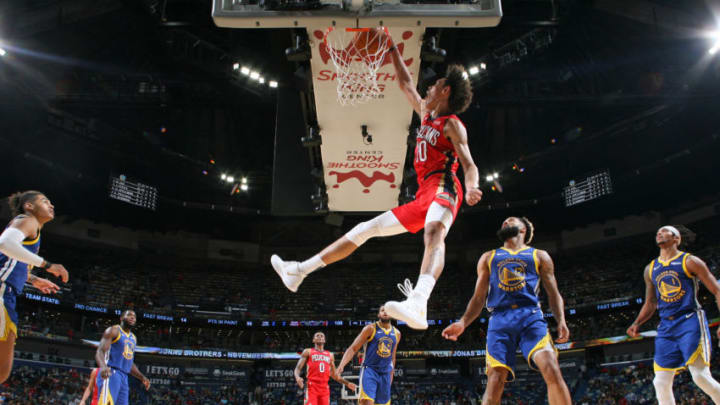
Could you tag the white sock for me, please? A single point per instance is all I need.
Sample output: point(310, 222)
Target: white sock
point(424, 286)
point(311, 264)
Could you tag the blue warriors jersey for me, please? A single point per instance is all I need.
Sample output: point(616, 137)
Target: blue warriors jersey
point(514, 279)
point(15, 273)
point(675, 288)
point(122, 352)
point(379, 349)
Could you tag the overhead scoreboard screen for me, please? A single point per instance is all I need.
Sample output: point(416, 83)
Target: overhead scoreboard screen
point(594, 186)
point(135, 193)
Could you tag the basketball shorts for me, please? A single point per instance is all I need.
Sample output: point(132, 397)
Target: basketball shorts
point(317, 395)
point(681, 340)
point(440, 188)
point(375, 385)
point(8, 314)
point(114, 390)
point(510, 329)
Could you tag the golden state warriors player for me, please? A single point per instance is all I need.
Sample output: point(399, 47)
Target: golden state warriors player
point(381, 340)
point(19, 245)
point(683, 335)
point(509, 280)
point(114, 358)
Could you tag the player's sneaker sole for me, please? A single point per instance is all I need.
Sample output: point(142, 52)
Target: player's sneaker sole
point(406, 311)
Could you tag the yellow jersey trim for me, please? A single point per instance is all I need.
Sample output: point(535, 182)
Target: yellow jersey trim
point(539, 345)
point(492, 256)
point(700, 351)
point(492, 362)
point(387, 331)
point(657, 367)
point(363, 395)
point(650, 269)
point(374, 332)
point(514, 252)
point(119, 334)
point(535, 259)
point(684, 266)
point(666, 263)
point(32, 242)
point(9, 326)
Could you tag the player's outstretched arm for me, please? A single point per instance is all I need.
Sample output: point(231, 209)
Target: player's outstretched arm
point(11, 246)
point(648, 308)
point(360, 340)
point(476, 304)
point(337, 377)
point(458, 136)
point(135, 372)
point(298, 368)
point(89, 388)
point(557, 305)
point(697, 267)
point(108, 337)
point(405, 80)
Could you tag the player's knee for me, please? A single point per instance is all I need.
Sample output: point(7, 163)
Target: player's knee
point(550, 371)
point(660, 383)
point(362, 232)
point(434, 233)
point(496, 378)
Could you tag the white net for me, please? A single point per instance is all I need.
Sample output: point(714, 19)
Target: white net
point(358, 54)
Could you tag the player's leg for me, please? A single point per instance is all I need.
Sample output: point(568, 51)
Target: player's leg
point(368, 386)
point(700, 372)
point(547, 362)
point(8, 334)
point(123, 396)
point(698, 362)
point(324, 399)
point(439, 218)
point(497, 376)
point(663, 383)
point(110, 392)
point(382, 394)
point(292, 273)
point(668, 360)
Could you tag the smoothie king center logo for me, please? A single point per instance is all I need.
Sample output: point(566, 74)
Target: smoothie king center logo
point(331, 74)
point(367, 167)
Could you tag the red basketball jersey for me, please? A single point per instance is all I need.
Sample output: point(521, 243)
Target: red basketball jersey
point(434, 152)
point(318, 369)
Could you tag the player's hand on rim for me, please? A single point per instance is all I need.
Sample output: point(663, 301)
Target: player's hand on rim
point(58, 270)
point(473, 196)
point(45, 286)
point(563, 333)
point(454, 331)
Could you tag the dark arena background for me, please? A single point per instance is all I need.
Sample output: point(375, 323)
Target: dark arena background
point(184, 142)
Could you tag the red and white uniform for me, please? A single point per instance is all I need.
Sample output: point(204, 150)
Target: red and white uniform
point(318, 373)
point(95, 397)
point(436, 164)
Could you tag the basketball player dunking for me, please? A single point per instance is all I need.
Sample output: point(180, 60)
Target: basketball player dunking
point(509, 280)
point(380, 341)
point(441, 143)
point(320, 368)
point(683, 335)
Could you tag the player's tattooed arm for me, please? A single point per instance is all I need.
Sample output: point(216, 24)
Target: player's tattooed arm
point(557, 305)
point(649, 306)
point(298, 367)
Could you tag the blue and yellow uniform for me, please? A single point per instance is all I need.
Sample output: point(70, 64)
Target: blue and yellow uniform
point(115, 390)
point(516, 319)
point(377, 367)
point(13, 275)
point(683, 334)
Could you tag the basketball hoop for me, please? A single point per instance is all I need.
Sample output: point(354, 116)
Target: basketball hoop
point(357, 54)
